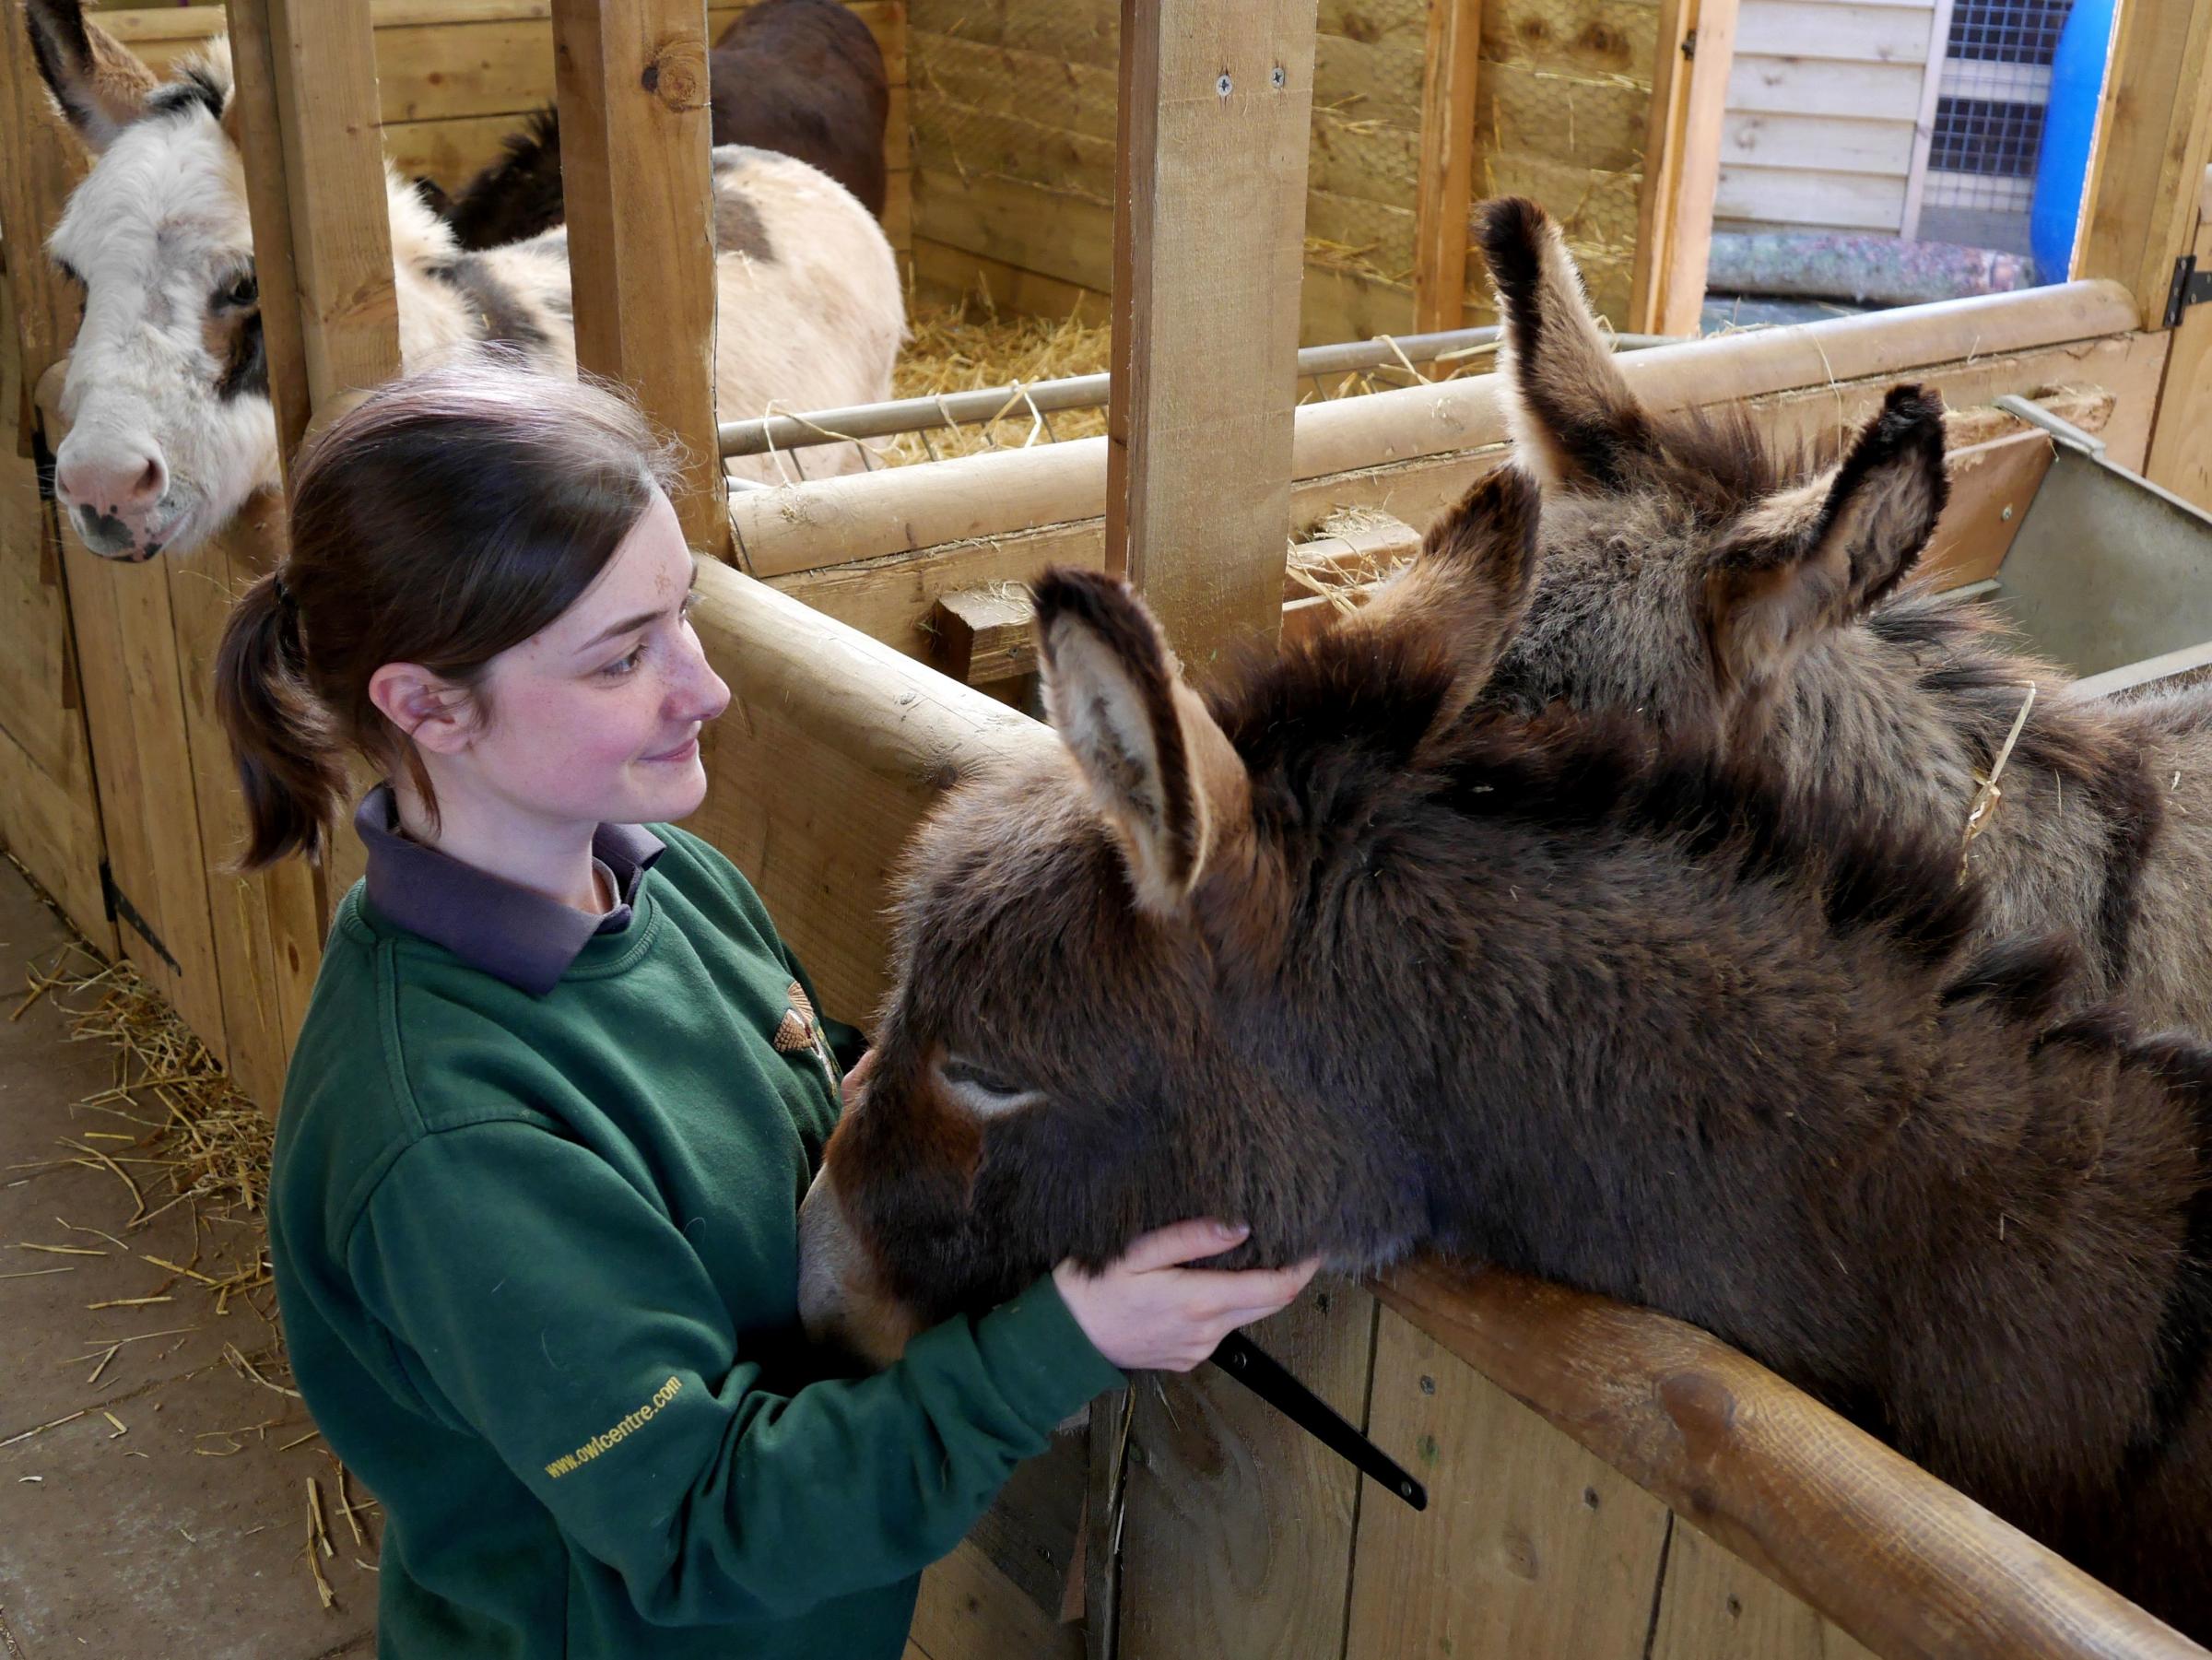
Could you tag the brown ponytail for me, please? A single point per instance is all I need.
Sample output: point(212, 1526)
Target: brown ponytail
point(445, 518)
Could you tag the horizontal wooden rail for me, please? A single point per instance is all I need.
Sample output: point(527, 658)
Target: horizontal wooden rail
point(872, 515)
point(1905, 1564)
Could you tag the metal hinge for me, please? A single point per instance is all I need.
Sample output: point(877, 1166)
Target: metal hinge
point(2190, 286)
point(119, 905)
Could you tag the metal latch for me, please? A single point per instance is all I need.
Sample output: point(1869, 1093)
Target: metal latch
point(2190, 286)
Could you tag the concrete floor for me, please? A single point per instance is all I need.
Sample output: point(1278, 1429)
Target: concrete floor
point(154, 1540)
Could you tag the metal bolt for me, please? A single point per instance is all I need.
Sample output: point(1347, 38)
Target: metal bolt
point(1280, 79)
point(2008, 513)
point(1427, 1385)
point(1221, 85)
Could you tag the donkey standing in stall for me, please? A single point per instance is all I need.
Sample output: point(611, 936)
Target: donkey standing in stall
point(1724, 590)
point(166, 395)
point(1335, 953)
point(800, 78)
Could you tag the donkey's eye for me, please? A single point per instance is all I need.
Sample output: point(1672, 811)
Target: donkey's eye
point(240, 291)
point(982, 1090)
point(68, 272)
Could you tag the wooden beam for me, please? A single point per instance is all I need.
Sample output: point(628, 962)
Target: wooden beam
point(1216, 112)
point(1682, 165)
point(1007, 492)
point(2153, 136)
point(1924, 125)
point(630, 81)
point(1445, 180)
point(1908, 1566)
point(260, 129)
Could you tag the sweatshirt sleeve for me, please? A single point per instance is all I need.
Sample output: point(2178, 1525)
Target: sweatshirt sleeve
point(547, 1304)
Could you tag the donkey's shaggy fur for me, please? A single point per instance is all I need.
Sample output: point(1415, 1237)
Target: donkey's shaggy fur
point(1737, 596)
point(1337, 955)
point(166, 394)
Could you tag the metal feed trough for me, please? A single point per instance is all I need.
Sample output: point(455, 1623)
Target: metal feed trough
point(2109, 576)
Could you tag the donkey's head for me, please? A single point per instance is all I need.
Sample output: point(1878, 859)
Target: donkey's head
point(1687, 566)
point(166, 395)
point(1097, 1024)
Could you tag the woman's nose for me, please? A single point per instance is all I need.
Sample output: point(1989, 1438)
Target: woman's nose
point(699, 694)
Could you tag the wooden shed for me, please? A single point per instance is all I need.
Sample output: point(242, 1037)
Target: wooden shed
point(1607, 1482)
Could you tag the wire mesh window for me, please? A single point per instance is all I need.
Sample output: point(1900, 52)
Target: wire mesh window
point(1988, 117)
point(2006, 31)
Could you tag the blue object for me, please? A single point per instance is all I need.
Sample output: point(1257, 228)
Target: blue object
point(2062, 168)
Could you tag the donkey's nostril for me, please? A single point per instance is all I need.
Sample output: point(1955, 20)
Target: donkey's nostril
point(153, 480)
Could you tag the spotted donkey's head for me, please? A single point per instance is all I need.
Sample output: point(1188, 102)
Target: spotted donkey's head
point(169, 425)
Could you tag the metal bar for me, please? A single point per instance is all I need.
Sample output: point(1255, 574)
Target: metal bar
point(755, 437)
point(1266, 1377)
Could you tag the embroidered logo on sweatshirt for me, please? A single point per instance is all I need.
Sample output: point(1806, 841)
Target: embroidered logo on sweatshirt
point(800, 1030)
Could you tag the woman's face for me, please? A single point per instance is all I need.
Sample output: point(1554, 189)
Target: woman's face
point(595, 718)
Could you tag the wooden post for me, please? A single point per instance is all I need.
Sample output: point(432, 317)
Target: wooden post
point(631, 83)
point(1446, 180)
point(1217, 100)
point(1682, 165)
point(308, 121)
point(2154, 129)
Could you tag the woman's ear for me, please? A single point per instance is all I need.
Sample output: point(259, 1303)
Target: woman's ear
point(427, 708)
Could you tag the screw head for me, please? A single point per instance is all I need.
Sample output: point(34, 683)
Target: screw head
point(1221, 85)
point(1280, 79)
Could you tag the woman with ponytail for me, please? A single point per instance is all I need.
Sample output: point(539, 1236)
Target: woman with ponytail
point(533, 1211)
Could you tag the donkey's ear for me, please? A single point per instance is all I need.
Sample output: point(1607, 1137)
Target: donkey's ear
point(1472, 578)
point(1816, 555)
point(1574, 418)
point(1162, 771)
point(100, 82)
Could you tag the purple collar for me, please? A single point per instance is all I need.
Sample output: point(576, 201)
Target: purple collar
point(501, 927)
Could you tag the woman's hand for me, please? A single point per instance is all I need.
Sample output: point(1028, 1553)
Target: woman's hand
point(1148, 1313)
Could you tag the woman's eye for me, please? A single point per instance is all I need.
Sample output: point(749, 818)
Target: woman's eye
point(623, 666)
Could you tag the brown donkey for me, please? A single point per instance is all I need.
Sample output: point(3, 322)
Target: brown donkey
point(1725, 592)
point(1335, 953)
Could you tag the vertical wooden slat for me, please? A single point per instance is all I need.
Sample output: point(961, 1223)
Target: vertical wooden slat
point(2154, 128)
point(1530, 1545)
point(44, 161)
point(631, 84)
point(2180, 436)
point(1238, 1533)
point(1682, 165)
point(1445, 184)
point(1713, 1606)
point(1216, 110)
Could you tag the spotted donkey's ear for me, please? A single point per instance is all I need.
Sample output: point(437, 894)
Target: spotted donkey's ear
point(1574, 418)
point(1818, 554)
point(1159, 767)
point(99, 82)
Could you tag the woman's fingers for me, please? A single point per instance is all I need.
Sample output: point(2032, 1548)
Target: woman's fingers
point(1180, 1242)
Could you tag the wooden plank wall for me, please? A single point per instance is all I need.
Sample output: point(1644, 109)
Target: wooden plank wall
point(459, 76)
point(1824, 103)
point(1013, 104)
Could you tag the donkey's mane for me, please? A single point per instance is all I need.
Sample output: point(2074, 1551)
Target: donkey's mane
point(1334, 722)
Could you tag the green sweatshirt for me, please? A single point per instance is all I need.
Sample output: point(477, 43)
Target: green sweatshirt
point(537, 1258)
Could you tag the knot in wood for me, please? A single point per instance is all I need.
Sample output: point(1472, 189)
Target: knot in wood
point(677, 74)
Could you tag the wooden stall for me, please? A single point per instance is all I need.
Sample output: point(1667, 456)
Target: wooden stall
point(1606, 111)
